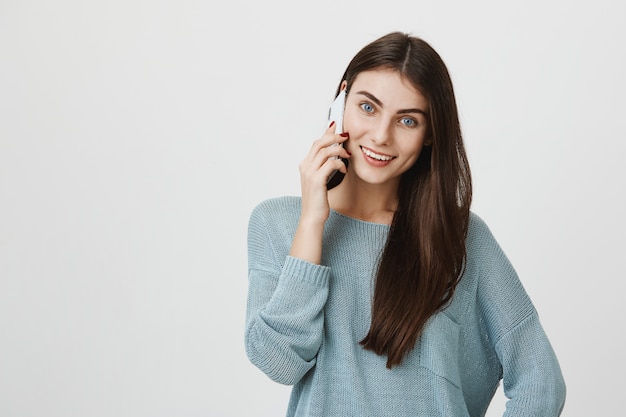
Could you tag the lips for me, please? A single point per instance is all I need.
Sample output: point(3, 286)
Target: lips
point(376, 156)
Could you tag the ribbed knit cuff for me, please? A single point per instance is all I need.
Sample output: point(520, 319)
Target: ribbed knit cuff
point(299, 269)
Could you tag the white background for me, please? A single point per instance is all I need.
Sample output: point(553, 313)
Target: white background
point(136, 137)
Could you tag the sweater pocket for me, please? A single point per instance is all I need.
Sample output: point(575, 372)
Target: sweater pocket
point(439, 348)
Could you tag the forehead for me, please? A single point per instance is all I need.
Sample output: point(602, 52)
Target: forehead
point(391, 88)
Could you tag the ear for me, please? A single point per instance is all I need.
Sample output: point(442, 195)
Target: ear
point(343, 86)
point(428, 141)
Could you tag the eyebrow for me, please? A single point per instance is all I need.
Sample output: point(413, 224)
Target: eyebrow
point(380, 103)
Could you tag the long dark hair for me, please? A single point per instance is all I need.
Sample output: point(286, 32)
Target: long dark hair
point(424, 256)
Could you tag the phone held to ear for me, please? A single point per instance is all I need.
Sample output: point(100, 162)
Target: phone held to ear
point(335, 114)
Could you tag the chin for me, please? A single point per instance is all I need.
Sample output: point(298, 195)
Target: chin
point(376, 179)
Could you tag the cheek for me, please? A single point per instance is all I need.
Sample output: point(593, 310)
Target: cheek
point(357, 131)
point(349, 123)
point(414, 150)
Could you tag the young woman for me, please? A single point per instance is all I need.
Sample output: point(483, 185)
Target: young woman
point(379, 293)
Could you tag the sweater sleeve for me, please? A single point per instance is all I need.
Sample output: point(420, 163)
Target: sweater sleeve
point(531, 374)
point(286, 298)
point(532, 378)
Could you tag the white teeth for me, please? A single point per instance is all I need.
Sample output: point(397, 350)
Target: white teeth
point(376, 156)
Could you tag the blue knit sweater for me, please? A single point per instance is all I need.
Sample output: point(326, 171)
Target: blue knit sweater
point(304, 323)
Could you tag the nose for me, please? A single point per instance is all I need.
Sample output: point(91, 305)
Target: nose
point(382, 134)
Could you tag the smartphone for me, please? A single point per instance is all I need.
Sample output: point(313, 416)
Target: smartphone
point(335, 113)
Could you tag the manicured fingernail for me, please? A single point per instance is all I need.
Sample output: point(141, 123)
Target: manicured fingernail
point(344, 134)
point(331, 124)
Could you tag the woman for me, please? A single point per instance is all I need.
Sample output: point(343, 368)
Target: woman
point(379, 293)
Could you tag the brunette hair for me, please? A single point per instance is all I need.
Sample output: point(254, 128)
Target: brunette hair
point(424, 256)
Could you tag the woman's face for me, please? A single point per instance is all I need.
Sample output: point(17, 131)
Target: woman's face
point(387, 119)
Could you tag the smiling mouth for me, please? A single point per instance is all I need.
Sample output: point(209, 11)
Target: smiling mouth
point(376, 156)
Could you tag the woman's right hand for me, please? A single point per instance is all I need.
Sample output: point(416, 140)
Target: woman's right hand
point(322, 160)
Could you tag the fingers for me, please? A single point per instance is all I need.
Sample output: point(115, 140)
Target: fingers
point(329, 138)
point(325, 148)
point(325, 157)
point(333, 151)
point(325, 163)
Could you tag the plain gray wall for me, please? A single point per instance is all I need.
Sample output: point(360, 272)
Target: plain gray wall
point(136, 137)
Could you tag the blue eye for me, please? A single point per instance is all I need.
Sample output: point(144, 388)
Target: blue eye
point(367, 107)
point(408, 122)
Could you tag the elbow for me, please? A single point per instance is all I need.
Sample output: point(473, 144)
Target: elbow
point(552, 392)
point(545, 399)
point(279, 363)
point(553, 389)
point(557, 391)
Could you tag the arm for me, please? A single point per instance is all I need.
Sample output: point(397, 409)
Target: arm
point(315, 169)
point(287, 294)
point(532, 377)
point(531, 374)
point(286, 297)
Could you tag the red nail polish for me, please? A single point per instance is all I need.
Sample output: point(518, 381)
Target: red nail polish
point(331, 124)
point(344, 134)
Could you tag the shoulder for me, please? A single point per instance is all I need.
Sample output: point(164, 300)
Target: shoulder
point(500, 292)
point(277, 216)
point(276, 208)
point(279, 203)
point(482, 246)
point(486, 261)
point(272, 226)
point(477, 226)
point(479, 236)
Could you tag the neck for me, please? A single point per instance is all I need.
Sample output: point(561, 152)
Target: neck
point(375, 203)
